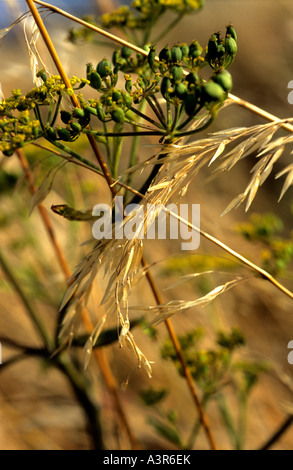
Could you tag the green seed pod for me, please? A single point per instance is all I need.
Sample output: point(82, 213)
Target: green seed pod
point(165, 54)
point(180, 91)
point(128, 85)
point(89, 69)
point(65, 116)
point(50, 133)
point(177, 73)
point(64, 134)
point(151, 58)
point(185, 50)
point(212, 92)
point(224, 78)
point(78, 113)
point(192, 78)
point(118, 115)
point(95, 80)
point(212, 53)
point(100, 113)
point(126, 52)
point(104, 68)
point(231, 46)
point(115, 57)
point(127, 100)
point(190, 103)
point(8, 153)
point(36, 131)
point(165, 86)
point(91, 110)
point(221, 51)
point(42, 75)
point(176, 54)
point(195, 50)
point(116, 96)
point(230, 30)
point(75, 126)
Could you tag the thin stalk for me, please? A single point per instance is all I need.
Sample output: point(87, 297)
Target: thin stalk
point(56, 111)
point(185, 369)
point(159, 108)
point(117, 146)
point(198, 129)
point(124, 134)
point(40, 328)
point(236, 255)
point(156, 111)
point(84, 396)
point(146, 118)
point(106, 371)
point(278, 433)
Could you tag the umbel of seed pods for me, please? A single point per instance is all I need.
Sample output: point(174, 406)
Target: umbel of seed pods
point(175, 77)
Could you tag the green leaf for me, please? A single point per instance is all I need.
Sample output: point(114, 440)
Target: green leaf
point(167, 432)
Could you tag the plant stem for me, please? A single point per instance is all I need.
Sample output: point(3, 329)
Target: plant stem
point(106, 372)
point(185, 369)
point(278, 433)
point(26, 302)
point(84, 396)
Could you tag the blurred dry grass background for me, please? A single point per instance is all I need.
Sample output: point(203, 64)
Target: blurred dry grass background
point(37, 408)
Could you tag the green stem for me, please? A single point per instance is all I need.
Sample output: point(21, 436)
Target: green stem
point(74, 154)
point(38, 116)
point(189, 119)
point(81, 389)
point(56, 111)
point(117, 146)
point(156, 111)
point(29, 308)
point(125, 134)
point(195, 131)
point(158, 106)
point(145, 117)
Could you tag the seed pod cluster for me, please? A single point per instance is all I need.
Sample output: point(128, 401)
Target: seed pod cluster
point(222, 51)
point(181, 84)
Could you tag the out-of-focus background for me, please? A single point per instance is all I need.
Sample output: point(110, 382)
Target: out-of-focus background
point(38, 409)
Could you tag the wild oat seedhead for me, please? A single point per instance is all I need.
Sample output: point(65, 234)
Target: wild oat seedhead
point(120, 258)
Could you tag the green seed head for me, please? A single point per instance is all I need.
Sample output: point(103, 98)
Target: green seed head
point(64, 134)
point(165, 54)
point(190, 103)
point(195, 50)
point(126, 52)
point(65, 116)
point(224, 79)
point(95, 80)
point(176, 54)
point(185, 50)
point(104, 68)
point(230, 30)
point(212, 92)
point(118, 115)
point(231, 46)
point(180, 91)
point(177, 73)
